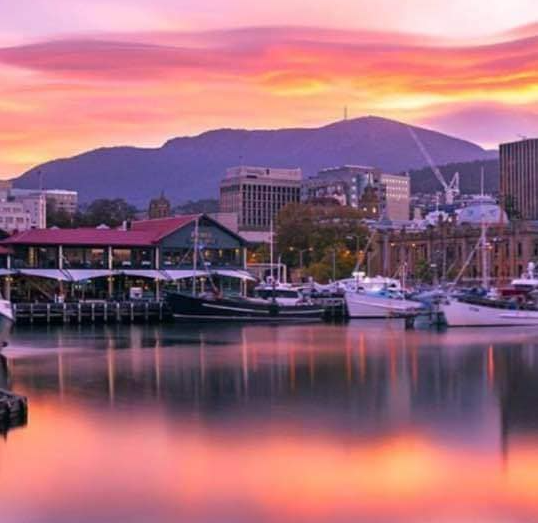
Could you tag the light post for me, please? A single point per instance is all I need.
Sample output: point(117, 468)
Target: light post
point(301, 252)
point(358, 252)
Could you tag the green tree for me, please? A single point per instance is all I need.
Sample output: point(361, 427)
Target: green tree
point(317, 230)
point(109, 212)
point(58, 217)
point(423, 271)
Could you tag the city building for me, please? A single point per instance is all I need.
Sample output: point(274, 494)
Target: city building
point(257, 194)
point(397, 195)
point(159, 208)
point(445, 248)
point(519, 177)
point(58, 199)
point(13, 217)
point(106, 263)
point(347, 185)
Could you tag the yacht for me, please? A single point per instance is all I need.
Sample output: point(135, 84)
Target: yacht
point(377, 297)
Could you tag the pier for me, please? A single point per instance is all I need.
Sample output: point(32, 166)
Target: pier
point(13, 410)
point(91, 312)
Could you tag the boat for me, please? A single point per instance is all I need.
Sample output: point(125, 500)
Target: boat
point(6, 321)
point(512, 306)
point(274, 302)
point(377, 297)
point(211, 306)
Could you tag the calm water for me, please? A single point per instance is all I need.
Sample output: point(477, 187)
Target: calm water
point(364, 422)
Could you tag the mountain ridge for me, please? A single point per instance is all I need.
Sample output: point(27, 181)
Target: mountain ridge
point(191, 167)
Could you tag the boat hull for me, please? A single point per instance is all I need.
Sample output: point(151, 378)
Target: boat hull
point(365, 306)
point(462, 314)
point(6, 322)
point(186, 307)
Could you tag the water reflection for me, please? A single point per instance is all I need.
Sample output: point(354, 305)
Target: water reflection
point(304, 423)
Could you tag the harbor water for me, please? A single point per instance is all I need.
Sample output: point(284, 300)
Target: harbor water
point(302, 423)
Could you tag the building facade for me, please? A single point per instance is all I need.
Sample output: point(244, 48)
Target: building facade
point(257, 194)
point(13, 217)
point(445, 248)
point(347, 185)
point(105, 263)
point(159, 208)
point(519, 177)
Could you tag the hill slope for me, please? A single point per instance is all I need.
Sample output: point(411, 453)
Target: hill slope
point(190, 168)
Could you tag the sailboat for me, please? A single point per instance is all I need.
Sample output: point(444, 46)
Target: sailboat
point(216, 307)
point(491, 310)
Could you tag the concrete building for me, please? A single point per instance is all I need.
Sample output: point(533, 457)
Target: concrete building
point(257, 194)
point(347, 184)
point(14, 217)
point(397, 195)
point(443, 249)
point(519, 177)
point(63, 200)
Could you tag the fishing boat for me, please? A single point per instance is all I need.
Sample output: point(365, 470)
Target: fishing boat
point(273, 302)
point(378, 297)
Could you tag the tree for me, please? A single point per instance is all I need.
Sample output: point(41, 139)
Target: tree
point(58, 217)
point(316, 231)
point(423, 271)
point(109, 212)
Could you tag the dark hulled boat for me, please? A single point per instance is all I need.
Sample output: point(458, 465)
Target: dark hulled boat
point(212, 307)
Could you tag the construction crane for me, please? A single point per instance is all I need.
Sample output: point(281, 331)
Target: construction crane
point(451, 189)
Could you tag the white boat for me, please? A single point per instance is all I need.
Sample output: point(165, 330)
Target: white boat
point(491, 311)
point(6, 321)
point(460, 312)
point(377, 297)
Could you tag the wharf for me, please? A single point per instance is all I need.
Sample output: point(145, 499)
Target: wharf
point(335, 307)
point(13, 410)
point(91, 312)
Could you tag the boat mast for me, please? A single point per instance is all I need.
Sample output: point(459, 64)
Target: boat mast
point(271, 250)
point(195, 257)
point(483, 239)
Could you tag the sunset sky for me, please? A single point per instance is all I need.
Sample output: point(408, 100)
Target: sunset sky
point(78, 75)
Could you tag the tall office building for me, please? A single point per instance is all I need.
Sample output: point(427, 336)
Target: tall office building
point(257, 194)
point(519, 177)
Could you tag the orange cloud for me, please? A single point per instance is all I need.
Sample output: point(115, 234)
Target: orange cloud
point(62, 96)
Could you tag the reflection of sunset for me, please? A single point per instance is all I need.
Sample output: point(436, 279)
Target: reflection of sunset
point(69, 456)
point(243, 424)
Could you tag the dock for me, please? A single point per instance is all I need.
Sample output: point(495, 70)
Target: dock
point(91, 312)
point(13, 410)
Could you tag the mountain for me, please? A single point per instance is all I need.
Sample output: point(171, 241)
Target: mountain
point(423, 180)
point(190, 168)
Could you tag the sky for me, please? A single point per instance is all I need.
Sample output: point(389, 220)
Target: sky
point(76, 75)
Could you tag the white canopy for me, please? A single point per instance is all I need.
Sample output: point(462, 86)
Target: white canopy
point(182, 274)
point(141, 273)
point(87, 274)
point(243, 275)
point(6, 272)
point(53, 274)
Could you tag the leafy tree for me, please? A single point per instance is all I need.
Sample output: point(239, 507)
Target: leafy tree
point(423, 271)
point(58, 217)
point(109, 212)
point(317, 230)
point(206, 205)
